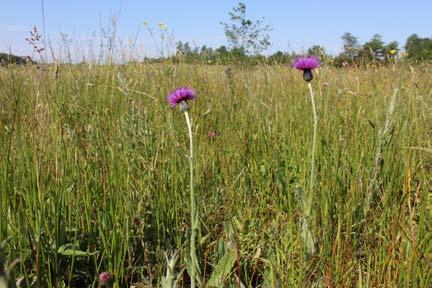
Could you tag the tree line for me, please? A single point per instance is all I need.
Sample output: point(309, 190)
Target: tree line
point(374, 51)
point(248, 38)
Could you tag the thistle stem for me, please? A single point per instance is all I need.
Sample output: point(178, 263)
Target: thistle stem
point(194, 218)
point(315, 118)
point(306, 230)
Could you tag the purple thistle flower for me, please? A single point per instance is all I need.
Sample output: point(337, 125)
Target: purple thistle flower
point(306, 64)
point(180, 95)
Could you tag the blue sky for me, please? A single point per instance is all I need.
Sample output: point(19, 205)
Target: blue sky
point(296, 25)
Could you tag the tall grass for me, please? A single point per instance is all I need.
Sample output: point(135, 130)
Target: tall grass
point(92, 179)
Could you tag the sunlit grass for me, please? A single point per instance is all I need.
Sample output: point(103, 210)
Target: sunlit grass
point(95, 160)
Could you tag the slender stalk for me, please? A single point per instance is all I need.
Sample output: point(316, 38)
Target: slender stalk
point(312, 173)
point(306, 230)
point(194, 218)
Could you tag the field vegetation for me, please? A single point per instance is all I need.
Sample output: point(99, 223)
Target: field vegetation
point(94, 175)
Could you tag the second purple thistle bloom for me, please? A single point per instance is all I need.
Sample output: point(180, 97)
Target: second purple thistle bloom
point(306, 64)
point(182, 94)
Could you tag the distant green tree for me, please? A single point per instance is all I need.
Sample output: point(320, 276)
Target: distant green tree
point(183, 48)
point(13, 59)
point(320, 52)
point(179, 47)
point(185, 53)
point(351, 46)
point(280, 57)
point(373, 50)
point(276, 58)
point(244, 34)
point(418, 49)
point(207, 55)
point(350, 53)
point(237, 55)
point(222, 54)
point(316, 50)
point(222, 49)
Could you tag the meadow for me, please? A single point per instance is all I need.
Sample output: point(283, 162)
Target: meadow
point(94, 175)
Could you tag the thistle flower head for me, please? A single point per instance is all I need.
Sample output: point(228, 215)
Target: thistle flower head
point(306, 63)
point(180, 95)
